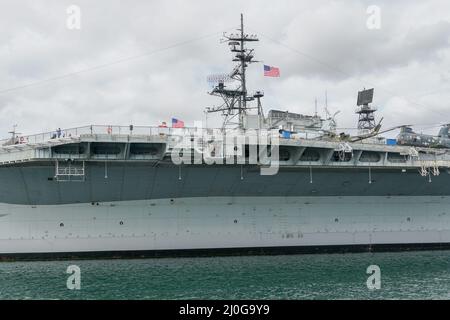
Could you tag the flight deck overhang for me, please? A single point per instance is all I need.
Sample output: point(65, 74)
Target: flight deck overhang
point(156, 144)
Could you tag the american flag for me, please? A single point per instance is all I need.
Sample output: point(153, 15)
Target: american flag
point(177, 123)
point(271, 71)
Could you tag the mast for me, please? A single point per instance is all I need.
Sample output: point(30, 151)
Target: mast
point(243, 67)
point(235, 100)
point(14, 134)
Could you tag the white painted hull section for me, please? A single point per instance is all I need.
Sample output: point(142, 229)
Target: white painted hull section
point(223, 222)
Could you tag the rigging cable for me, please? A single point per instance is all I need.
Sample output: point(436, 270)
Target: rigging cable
point(331, 67)
point(108, 64)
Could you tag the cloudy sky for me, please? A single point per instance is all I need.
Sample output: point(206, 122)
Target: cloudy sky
point(142, 62)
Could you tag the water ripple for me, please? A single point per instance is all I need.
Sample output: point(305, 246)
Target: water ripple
point(406, 275)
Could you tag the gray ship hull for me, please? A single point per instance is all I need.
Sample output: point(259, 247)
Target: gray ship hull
point(33, 184)
point(164, 208)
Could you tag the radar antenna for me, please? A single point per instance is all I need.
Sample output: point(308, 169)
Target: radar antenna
point(366, 120)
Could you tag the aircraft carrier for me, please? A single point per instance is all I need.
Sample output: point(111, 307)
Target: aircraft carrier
point(261, 183)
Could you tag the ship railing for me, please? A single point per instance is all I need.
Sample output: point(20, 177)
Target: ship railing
point(70, 171)
point(65, 135)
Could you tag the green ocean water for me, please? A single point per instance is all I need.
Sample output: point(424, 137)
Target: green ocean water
point(405, 275)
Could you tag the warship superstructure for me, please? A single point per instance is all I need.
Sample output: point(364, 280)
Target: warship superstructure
point(137, 190)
